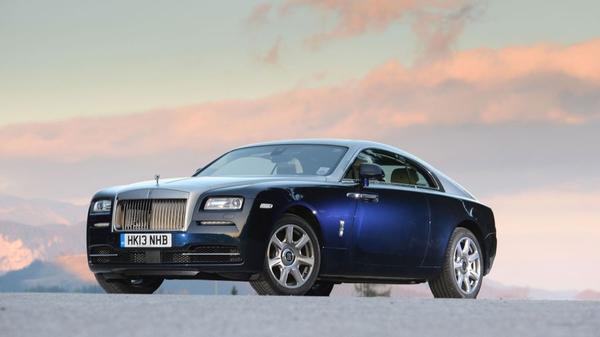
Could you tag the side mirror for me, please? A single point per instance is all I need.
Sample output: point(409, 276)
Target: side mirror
point(368, 172)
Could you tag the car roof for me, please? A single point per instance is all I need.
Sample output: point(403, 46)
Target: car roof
point(328, 141)
point(350, 143)
point(450, 186)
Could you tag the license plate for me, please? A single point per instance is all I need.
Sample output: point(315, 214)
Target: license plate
point(145, 240)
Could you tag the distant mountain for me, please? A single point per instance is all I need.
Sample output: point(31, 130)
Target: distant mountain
point(40, 212)
point(33, 229)
point(53, 240)
point(21, 244)
point(588, 295)
point(40, 276)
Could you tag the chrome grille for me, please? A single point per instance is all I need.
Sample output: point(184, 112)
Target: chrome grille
point(151, 215)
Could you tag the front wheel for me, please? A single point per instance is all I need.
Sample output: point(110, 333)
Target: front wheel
point(292, 259)
point(144, 285)
point(462, 271)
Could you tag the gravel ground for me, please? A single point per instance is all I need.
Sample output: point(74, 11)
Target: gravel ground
point(82, 315)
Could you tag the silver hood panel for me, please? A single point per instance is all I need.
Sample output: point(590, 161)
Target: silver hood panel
point(190, 188)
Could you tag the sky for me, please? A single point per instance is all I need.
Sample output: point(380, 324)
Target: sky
point(503, 96)
point(67, 58)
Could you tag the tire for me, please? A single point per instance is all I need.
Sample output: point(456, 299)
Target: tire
point(320, 288)
point(292, 263)
point(462, 269)
point(129, 286)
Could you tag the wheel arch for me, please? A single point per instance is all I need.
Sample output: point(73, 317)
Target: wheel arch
point(308, 215)
point(476, 230)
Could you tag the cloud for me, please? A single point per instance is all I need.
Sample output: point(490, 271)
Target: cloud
point(271, 57)
point(437, 23)
point(259, 15)
point(14, 255)
point(438, 30)
point(517, 85)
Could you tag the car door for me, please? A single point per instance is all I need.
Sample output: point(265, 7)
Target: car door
point(392, 220)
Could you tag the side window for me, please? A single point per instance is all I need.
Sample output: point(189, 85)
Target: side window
point(393, 166)
point(362, 158)
point(396, 168)
point(419, 178)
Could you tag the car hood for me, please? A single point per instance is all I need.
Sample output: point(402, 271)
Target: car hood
point(198, 185)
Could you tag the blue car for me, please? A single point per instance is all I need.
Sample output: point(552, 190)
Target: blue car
point(295, 218)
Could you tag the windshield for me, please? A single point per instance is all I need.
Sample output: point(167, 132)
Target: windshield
point(277, 160)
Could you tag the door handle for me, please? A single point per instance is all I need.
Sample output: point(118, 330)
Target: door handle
point(363, 196)
point(370, 197)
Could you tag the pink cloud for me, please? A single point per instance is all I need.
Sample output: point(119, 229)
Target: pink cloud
point(437, 23)
point(536, 84)
point(489, 66)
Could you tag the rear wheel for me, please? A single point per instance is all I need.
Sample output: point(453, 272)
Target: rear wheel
point(462, 271)
point(143, 285)
point(292, 259)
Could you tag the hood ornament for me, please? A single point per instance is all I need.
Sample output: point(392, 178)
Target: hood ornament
point(157, 178)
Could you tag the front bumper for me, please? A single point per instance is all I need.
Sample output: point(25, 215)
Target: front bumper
point(103, 254)
point(191, 254)
point(206, 252)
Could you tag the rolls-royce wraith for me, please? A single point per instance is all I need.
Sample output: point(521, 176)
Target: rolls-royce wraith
point(295, 218)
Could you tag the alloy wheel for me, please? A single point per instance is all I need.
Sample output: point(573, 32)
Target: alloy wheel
point(467, 265)
point(291, 256)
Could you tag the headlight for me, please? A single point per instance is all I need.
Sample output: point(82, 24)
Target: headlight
point(102, 206)
point(223, 203)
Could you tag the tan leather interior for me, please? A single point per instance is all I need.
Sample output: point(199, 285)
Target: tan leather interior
point(405, 175)
point(413, 175)
point(400, 176)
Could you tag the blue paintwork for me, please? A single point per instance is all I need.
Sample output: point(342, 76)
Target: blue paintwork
point(380, 240)
point(402, 236)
